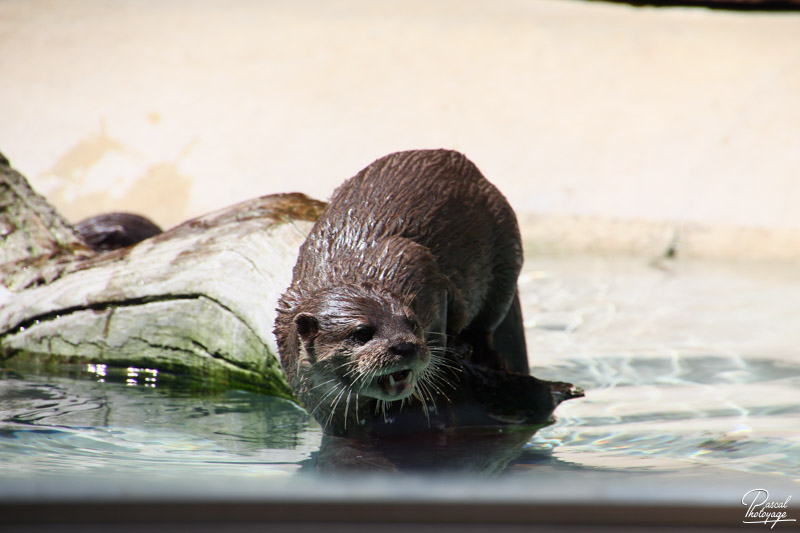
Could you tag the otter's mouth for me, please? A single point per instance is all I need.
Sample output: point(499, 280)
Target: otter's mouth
point(397, 384)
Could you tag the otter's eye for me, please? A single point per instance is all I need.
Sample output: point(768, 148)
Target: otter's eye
point(362, 334)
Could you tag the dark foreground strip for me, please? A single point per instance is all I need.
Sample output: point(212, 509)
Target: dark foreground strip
point(353, 516)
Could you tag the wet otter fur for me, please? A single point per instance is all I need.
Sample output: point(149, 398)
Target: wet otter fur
point(415, 258)
point(112, 231)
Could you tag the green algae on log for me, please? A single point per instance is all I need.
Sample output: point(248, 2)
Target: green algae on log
point(198, 299)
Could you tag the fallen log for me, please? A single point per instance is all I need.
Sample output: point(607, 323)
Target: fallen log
point(198, 299)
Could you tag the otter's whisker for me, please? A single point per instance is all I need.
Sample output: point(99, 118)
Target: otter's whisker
point(352, 370)
point(434, 381)
point(335, 404)
point(347, 408)
point(421, 398)
point(367, 376)
point(428, 395)
point(440, 364)
point(438, 379)
point(383, 410)
point(325, 396)
point(373, 372)
point(338, 397)
point(441, 367)
point(442, 375)
point(331, 391)
point(446, 348)
point(318, 385)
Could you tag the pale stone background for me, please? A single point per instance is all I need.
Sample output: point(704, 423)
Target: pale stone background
point(650, 120)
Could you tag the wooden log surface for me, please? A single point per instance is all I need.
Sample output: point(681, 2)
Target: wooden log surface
point(198, 299)
point(36, 243)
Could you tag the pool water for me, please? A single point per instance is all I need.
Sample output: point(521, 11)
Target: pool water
point(687, 367)
point(689, 371)
point(67, 425)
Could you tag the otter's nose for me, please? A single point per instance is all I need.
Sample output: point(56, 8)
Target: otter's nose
point(404, 349)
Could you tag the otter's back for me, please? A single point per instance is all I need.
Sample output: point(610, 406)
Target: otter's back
point(435, 198)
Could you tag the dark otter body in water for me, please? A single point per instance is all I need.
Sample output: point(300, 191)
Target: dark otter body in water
point(416, 256)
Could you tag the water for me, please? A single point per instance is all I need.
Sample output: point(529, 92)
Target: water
point(689, 372)
point(687, 368)
point(56, 425)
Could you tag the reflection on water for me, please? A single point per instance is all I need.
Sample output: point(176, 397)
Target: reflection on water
point(686, 370)
point(148, 376)
point(658, 421)
point(704, 412)
point(52, 425)
point(685, 373)
point(482, 451)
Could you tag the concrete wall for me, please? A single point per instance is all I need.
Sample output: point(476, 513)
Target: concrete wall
point(580, 112)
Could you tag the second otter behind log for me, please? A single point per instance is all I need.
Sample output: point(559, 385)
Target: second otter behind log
point(416, 256)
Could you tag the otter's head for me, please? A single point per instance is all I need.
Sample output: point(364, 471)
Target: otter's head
point(355, 340)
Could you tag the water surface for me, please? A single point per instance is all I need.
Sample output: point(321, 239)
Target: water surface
point(689, 372)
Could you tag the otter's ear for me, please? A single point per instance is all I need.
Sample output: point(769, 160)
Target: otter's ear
point(307, 326)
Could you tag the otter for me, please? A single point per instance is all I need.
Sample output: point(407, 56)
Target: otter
point(112, 231)
point(414, 261)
